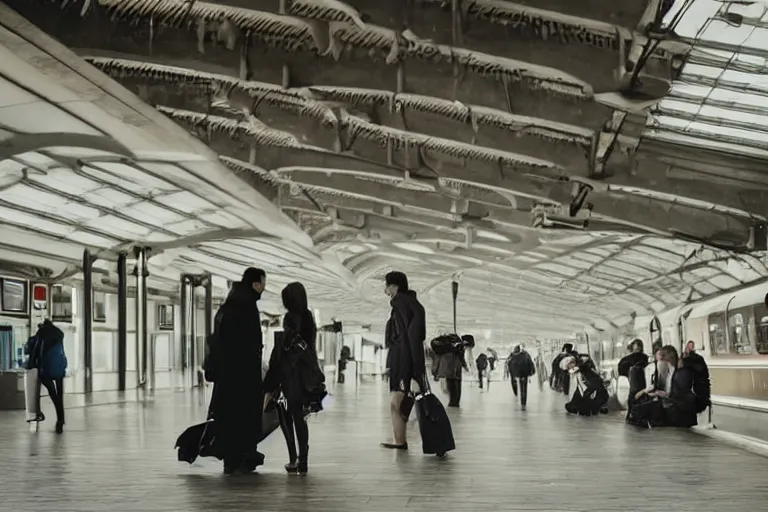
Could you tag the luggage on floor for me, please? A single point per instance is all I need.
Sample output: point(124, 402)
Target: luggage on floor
point(200, 440)
point(32, 394)
point(434, 425)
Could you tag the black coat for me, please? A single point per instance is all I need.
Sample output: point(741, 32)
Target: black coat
point(630, 360)
point(235, 360)
point(702, 385)
point(298, 376)
point(405, 334)
point(521, 365)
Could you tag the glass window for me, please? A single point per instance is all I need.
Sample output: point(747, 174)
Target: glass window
point(717, 343)
point(761, 329)
point(165, 317)
point(14, 295)
point(61, 303)
point(739, 335)
point(99, 307)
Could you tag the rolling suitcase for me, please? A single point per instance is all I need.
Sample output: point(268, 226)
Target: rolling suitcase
point(434, 425)
point(32, 395)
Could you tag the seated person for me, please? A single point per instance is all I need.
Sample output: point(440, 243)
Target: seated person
point(590, 396)
point(669, 401)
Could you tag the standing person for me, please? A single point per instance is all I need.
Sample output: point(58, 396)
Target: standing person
point(560, 379)
point(482, 364)
point(293, 368)
point(404, 337)
point(521, 368)
point(234, 365)
point(636, 358)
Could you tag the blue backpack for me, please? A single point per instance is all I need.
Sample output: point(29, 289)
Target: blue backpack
point(54, 364)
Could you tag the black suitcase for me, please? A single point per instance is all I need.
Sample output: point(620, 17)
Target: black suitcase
point(434, 425)
point(200, 440)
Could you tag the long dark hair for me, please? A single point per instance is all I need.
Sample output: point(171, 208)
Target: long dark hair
point(670, 352)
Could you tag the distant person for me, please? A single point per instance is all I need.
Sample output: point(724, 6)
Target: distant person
point(635, 358)
point(450, 366)
point(481, 363)
point(521, 368)
point(234, 366)
point(702, 385)
point(404, 337)
point(560, 379)
point(294, 370)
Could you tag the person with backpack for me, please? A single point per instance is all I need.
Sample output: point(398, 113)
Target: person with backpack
point(294, 370)
point(46, 353)
point(521, 368)
point(482, 364)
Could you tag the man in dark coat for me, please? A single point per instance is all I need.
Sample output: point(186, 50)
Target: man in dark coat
point(404, 337)
point(521, 368)
point(236, 361)
point(702, 385)
point(636, 358)
point(481, 363)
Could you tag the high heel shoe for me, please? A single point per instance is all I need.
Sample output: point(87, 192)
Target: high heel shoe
point(59, 427)
point(291, 468)
point(301, 468)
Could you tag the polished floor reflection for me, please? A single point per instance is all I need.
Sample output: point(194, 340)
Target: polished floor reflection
point(121, 458)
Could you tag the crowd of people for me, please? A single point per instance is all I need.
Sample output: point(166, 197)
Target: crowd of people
point(664, 388)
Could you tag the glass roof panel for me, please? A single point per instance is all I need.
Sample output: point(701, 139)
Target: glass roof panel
point(26, 219)
point(12, 95)
point(40, 117)
point(150, 213)
point(66, 181)
point(31, 198)
point(187, 202)
point(108, 197)
point(187, 227)
point(120, 228)
point(37, 160)
point(720, 100)
point(92, 240)
point(131, 178)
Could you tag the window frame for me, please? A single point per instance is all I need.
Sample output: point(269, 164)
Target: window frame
point(24, 311)
point(746, 315)
point(718, 319)
point(54, 302)
point(95, 317)
point(162, 321)
point(760, 312)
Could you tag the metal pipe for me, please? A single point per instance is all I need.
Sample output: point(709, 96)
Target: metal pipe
point(183, 321)
point(141, 321)
point(122, 321)
point(151, 364)
point(193, 335)
point(208, 305)
point(455, 292)
point(88, 319)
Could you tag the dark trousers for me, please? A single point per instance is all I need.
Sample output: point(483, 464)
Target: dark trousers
point(296, 431)
point(523, 383)
point(566, 383)
point(480, 377)
point(55, 389)
point(454, 391)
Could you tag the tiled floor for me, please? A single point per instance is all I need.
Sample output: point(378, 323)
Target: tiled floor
point(121, 458)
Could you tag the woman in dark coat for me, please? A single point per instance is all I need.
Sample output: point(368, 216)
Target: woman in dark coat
point(405, 333)
point(235, 362)
point(294, 369)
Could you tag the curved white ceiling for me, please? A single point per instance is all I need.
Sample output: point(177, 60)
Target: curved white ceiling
point(127, 175)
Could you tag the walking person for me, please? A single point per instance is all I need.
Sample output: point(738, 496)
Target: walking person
point(234, 365)
point(294, 370)
point(46, 353)
point(521, 368)
point(450, 366)
point(482, 365)
point(404, 337)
